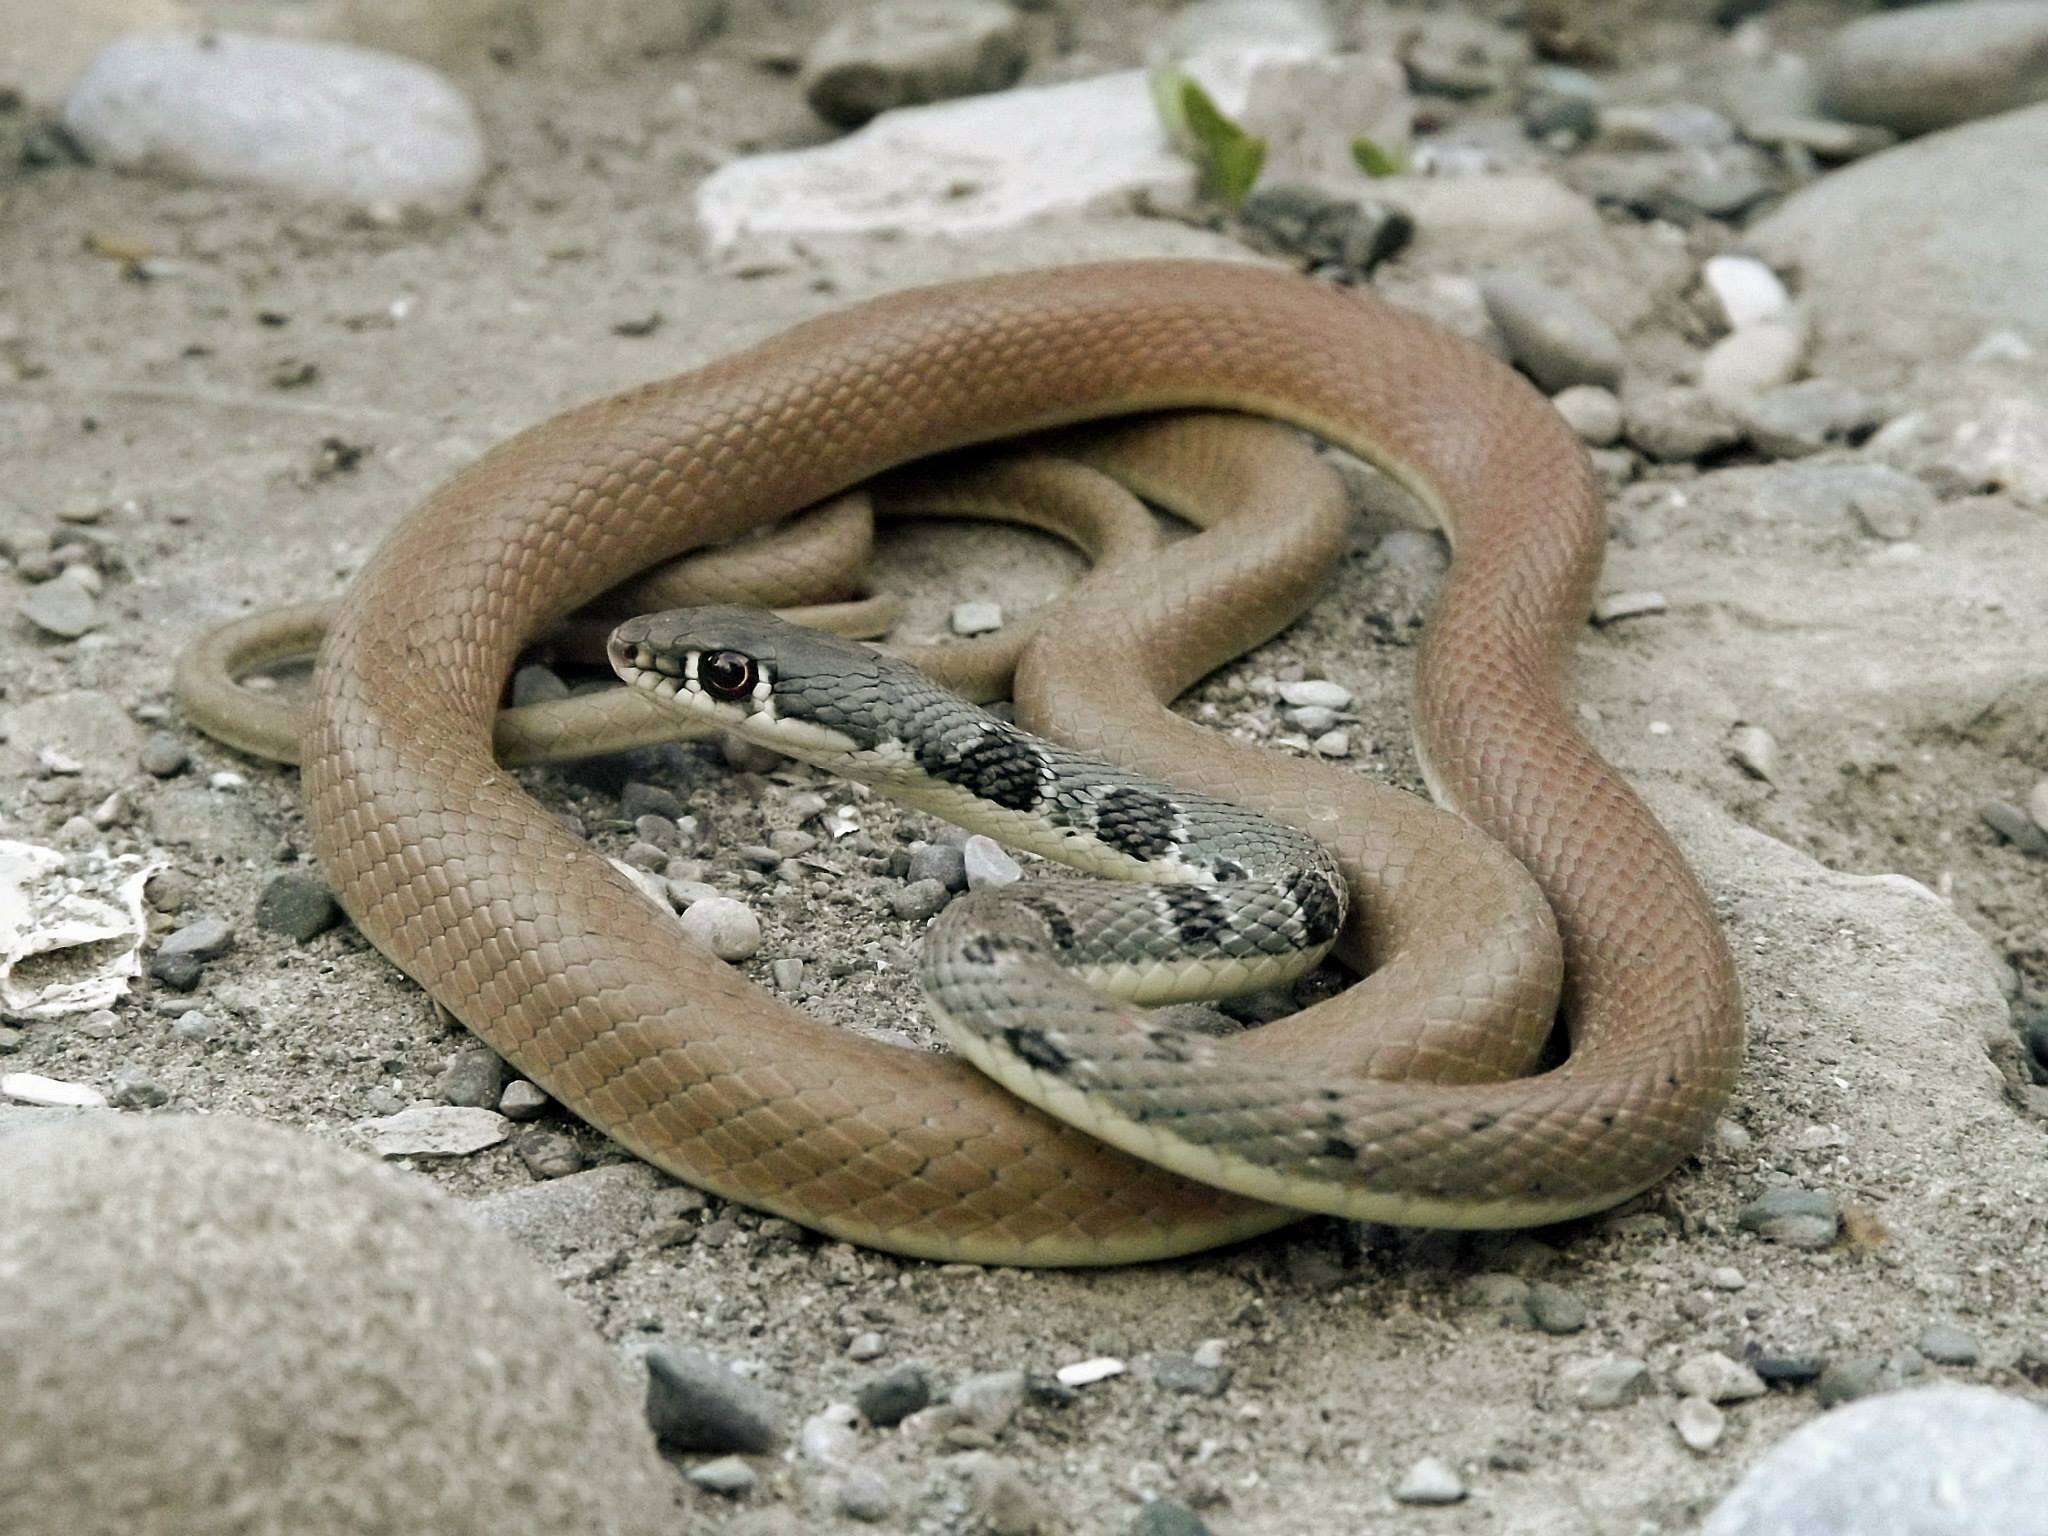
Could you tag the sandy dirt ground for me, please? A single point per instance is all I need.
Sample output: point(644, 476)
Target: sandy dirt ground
point(252, 420)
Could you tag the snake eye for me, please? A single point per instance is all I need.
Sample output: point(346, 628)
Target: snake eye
point(727, 674)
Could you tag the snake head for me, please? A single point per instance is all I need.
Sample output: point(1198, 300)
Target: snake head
point(807, 694)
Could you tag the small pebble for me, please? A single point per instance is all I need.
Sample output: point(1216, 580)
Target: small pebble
point(2037, 805)
point(988, 864)
point(1164, 1517)
point(1698, 1422)
point(1846, 1380)
point(1333, 744)
point(1751, 362)
point(639, 799)
point(1553, 337)
point(164, 756)
point(726, 927)
point(728, 1475)
point(536, 684)
point(920, 899)
point(1791, 1369)
point(1085, 1373)
point(1608, 1382)
point(865, 1496)
point(866, 1346)
point(135, 1089)
point(1717, 1378)
point(694, 1403)
point(298, 906)
point(1755, 751)
point(1743, 290)
point(475, 1078)
point(788, 975)
point(830, 1437)
point(1592, 412)
point(434, 1130)
point(1946, 1344)
point(1611, 607)
point(943, 862)
point(1429, 1481)
point(1679, 424)
point(1554, 1309)
point(1727, 1278)
point(891, 1398)
point(550, 1154)
point(2015, 826)
point(990, 1400)
point(61, 608)
point(1795, 420)
point(976, 618)
point(1795, 1217)
point(521, 1100)
point(1316, 692)
point(1186, 1374)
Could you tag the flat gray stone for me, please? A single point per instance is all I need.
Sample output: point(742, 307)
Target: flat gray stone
point(204, 1314)
point(1921, 251)
point(1940, 1461)
point(1552, 337)
point(899, 53)
point(318, 120)
point(1934, 66)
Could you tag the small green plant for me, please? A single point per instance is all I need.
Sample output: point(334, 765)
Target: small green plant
point(1377, 161)
point(1227, 158)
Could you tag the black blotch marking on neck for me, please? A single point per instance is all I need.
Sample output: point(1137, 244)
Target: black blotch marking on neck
point(998, 765)
point(1135, 821)
point(1031, 1047)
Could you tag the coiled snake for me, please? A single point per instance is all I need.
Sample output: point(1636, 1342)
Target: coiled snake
point(538, 945)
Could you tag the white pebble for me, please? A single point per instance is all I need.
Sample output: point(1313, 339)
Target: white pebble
point(829, 1437)
point(1316, 691)
point(1727, 1277)
point(650, 885)
point(977, 618)
point(34, 1088)
point(1333, 744)
point(726, 927)
point(1085, 1373)
point(1612, 606)
point(1755, 751)
point(227, 778)
point(988, 864)
point(1698, 1422)
point(1430, 1481)
point(1592, 412)
point(1743, 290)
point(1752, 361)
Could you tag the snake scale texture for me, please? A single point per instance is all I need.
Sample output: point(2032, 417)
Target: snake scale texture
point(540, 947)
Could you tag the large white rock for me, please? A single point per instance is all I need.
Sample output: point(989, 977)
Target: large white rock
point(319, 120)
point(992, 162)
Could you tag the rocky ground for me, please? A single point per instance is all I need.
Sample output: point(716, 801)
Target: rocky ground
point(1782, 267)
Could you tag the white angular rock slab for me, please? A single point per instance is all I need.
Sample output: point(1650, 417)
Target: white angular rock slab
point(69, 943)
point(988, 163)
point(436, 1130)
point(49, 1092)
point(321, 121)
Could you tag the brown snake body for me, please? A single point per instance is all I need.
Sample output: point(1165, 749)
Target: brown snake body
point(538, 945)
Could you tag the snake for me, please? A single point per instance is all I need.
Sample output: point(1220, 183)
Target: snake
point(553, 957)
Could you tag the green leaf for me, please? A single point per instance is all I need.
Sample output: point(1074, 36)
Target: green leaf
point(1228, 158)
point(1376, 161)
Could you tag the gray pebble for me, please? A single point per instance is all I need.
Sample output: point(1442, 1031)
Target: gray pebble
point(1353, 233)
point(1007, 1501)
point(988, 864)
point(1944, 1344)
point(299, 906)
point(135, 1089)
point(164, 756)
point(1607, 1382)
point(894, 1396)
point(728, 1475)
point(726, 927)
point(651, 857)
point(1429, 1481)
point(1313, 718)
point(1493, 1289)
point(475, 1079)
point(1592, 412)
point(942, 862)
point(638, 799)
point(1555, 339)
point(62, 608)
point(204, 938)
point(1186, 1374)
point(866, 1346)
point(896, 53)
point(1554, 1309)
point(1790, 1368)
point(1798, 419)
point(1717, 1378)
point(1820, 137)
point(521, 1100)
point(551, 1154)
point(1858, 1376)
point(990, 1400)
point(695, 1404)
point(2015, 826)
point(1793, 1216)
point(865, 1496)
point(1943, 1461)
point(920, 899)
point(536, 684)
point(1163, 1517)
point(1679, 424)
point(788, 975)
point(180, 973)
point(1332, 744)
point(661, 831)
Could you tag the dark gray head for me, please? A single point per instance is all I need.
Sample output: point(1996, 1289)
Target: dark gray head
point(800, 691)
